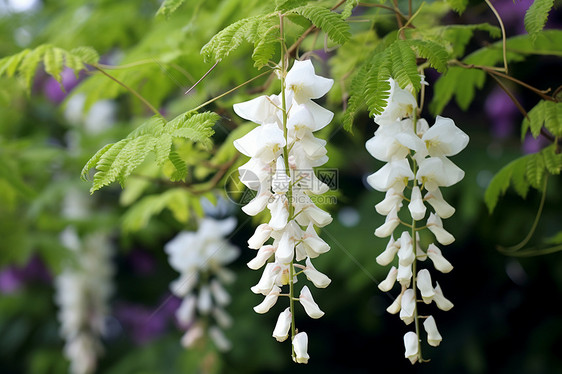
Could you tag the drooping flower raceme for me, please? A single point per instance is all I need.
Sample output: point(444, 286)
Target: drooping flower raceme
point(283, 152)
point(200, 258)
point(417, 166)
point(83, 289)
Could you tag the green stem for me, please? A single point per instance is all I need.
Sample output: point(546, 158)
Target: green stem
point(130, 89)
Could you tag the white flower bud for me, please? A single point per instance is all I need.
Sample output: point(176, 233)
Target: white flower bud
point(283, 325)
point(264, 254)
point(222, 317)
point(417, 207)
point(433, 336)
point(279, 212)
point(424, 285)
point(286, 250)
point(319, 279)
point(435, 225)
point(392, 200)
point(411, 344)
point(262, 233)
point(390, 223)
point(221, 342)
point(267, 279)
point(204, 302)
point(186, 312)
point(395, 306)
point(192, 336)
point(389, 281)
point(440, 300)
point(442, 208)
point(404, 275)
point(440, 262)
point(300, 346)
point(406, 252)
point(408, 306)
point(310, 306)
point(269, 301)
point(388, 254)
point(220, 295)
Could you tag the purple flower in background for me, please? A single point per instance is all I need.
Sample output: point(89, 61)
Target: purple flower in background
point(144, 324)
point(513, 13)
point(532, 145)
point(502, 112)
point(12, 278)
point(142, 262)
point(53, 90)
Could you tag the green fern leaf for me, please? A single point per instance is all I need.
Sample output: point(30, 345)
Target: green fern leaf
point(348, 8)
point(162, 148)
point(329, 22)
point(435, 54)
point(458, 5)
point(377, 89)
point(181, 167)
point(536, 170)
point(284, 5)
point(28, 66)
point(10, 64)
point(518, 177)
point(552, 160)
point(73, 62)
point(94, 161)
point(553, 118)
point(536, 15)
point(534, 120)
point(168, 7)
point(230, 38)
point(53, 60)
point(87, 55)
point(404, 68)
point(498, 186)
point(265, 47)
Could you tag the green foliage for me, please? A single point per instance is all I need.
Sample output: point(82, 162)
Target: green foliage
point(326, 20)
point(435, 53)
point(458, 6)
point(25, 63)
point(545, 113)
point(348, 8)
point(522, 173)
point(284, 5)
point(115, 162)
point(536, 15)
point(168, 7)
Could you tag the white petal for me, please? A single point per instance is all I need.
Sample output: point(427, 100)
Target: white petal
point(388, 254)
point(319, 279)
point(436, 172)
point(262, 233)
point(221, 296)
point(300, 346)
point(192, 335)
point(394, 174)
point(269, 301)
point(435, 225)
point(312, 243)
point(389, 281)
point(404, 275)
point(257, 204)
point(440, 262)
point(408, 306)
point(442, 208)
point(261, 258)
point(279, 212)
point(286, 250)
point(283, 325)
point(395, 306)
point(221, 342)
point(390, 223)
point(433, 336)
point(417, 207)
point(440, 300)
point(267, 279)
point(304, 83)
point(425, 286)
point(406, 252)
point(186, 311)
point(310, 306)
point(259, 110)
point(444, 138)
point(204, 302)
point(411, 346)
point(392, 200)
point(222, 317)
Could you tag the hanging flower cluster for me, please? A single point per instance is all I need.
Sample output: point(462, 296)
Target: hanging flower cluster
point(416, 167)
point(82, 293)
point(200, 258)
point(283, 152)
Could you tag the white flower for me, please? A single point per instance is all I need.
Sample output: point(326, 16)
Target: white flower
point(192, 336)
point(262, 233)
point(392, 200)
point(307, 212)
point(437, 172)
point(319, 279)
point(222, 317)
point(260, 110)
point(400, 103)
point(204, 302)
point(264, 254)
point(411, 346)
point(404, 275)
point(408, 306)
point(417, 207)
point(442, 302)
point(312, 245)
point(283, 325)
point(186, 312)
point(267, 280)
point(425, 286)
point(303, 83)
point(389, 281)
point(221, 342)
point(444, 138)
point(394, 141)
point(279, 208)
point(220, 295)
point(265, 142)
point(388, 254)
point(441, 207)
point(435, 225)
point(406, 254)
point(433, 336)
point(394, 174)
point(396, 305)
point(300, 346)
point(390, 223)
point(269, 301)
point(440, 262)
point(310, 306)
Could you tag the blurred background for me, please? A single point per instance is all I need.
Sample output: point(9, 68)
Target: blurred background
point(506, 318)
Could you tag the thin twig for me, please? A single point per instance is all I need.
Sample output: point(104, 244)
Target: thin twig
point(203, 77)
point(130, 89)
point(504, 45)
